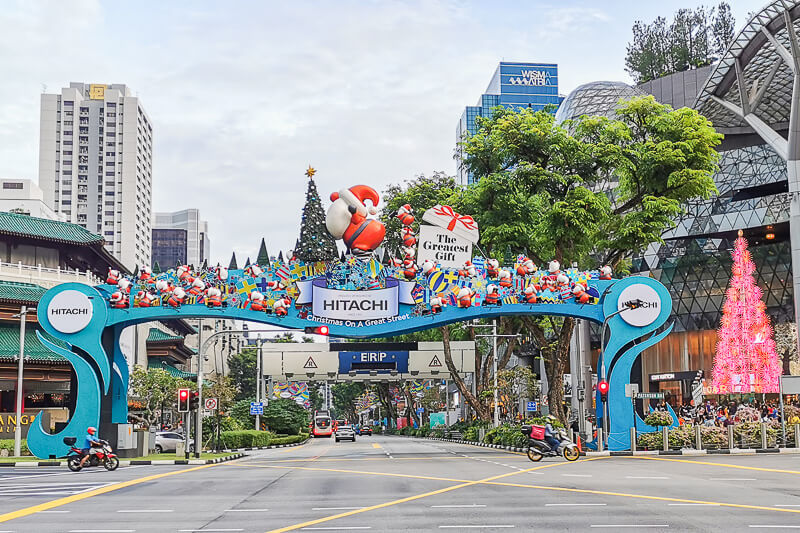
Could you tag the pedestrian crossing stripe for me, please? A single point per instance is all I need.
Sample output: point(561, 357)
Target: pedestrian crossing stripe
point(435, 361)
point(310, 363)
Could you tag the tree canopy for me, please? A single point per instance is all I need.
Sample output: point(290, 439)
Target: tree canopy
point(694, 38)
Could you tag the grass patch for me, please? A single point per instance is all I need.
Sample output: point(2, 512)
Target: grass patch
point(27, 458)
point(171, 457)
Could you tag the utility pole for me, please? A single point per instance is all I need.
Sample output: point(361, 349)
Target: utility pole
point(198, 432)
point(258, 380)
point(23, 316)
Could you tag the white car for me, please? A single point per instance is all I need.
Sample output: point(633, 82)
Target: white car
point(345, 432)
point(167, 441)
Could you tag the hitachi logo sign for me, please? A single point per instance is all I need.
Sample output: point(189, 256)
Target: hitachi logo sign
point(69, 311)
point(355, 305)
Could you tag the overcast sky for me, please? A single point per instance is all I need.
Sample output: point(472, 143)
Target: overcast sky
point(245, 95)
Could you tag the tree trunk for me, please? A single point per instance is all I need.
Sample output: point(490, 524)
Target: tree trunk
point(558, 363)
point(410, 415)
point(481, 410)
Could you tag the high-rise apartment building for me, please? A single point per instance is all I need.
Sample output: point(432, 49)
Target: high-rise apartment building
point(96, 165)
point(513, 85)
point(180, 237)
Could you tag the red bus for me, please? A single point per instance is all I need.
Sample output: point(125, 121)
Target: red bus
point(323, 426)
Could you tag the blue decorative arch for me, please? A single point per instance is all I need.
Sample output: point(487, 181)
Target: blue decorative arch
point(288, 295)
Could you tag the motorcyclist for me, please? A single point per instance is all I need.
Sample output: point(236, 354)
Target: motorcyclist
point(550, 432)
point(90, 444)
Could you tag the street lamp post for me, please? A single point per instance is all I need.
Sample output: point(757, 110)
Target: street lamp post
point(602, 362)
point(23, 314)
point(258, 379)
point(198, 431)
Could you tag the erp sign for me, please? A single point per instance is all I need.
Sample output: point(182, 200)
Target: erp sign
point(381, 361)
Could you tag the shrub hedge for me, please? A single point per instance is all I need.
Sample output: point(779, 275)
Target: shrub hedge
point(246, 438)
point(8, 444)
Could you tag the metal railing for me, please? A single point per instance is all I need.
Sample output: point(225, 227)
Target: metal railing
point(45, 276)
point(752, 435)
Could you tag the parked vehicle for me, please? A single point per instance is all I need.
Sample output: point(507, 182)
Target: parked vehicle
point(345, 433)
point(105, 456)
point(538, 447)
point(167, 441)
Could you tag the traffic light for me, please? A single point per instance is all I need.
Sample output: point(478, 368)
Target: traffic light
point(317, 330)
point(603, 388)
point(183, 400)
point(194, 400)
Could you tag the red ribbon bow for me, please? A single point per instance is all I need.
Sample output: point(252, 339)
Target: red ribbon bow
point(465, 220)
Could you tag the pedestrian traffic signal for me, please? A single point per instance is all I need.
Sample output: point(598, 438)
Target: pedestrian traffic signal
point(194, 400)
point(183, 400)
point(603, 388)
point(317, 330)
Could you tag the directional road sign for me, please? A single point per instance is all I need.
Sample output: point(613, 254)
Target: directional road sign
point(531, 407)
point(649, 395)
point(211, 403)
point(256, 408)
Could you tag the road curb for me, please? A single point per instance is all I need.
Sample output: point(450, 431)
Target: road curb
point(23, 464)
point(292, 445)
point(688, 452)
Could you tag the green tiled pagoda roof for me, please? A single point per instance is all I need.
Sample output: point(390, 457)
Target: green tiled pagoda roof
point(20, 292)
point(157, 335)
point(154, 362)
point(34, 350)
point(53, 230)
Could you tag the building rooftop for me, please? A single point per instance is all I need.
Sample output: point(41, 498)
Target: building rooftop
point(156, 335)
point(11, 291)
point(34, 349)
point(51, 230)
point(175, 372)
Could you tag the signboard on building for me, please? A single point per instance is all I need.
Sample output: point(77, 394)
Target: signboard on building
point(8, 423)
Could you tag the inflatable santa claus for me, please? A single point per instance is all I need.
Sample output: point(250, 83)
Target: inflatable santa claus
point(347, 218)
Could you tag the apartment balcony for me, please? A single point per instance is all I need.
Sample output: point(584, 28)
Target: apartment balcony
point(45, 277)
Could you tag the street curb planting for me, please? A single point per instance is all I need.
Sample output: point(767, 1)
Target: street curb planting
point(23, 464)
point(684, 452)
point(267, 447)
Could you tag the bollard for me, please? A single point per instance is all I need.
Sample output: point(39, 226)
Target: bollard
point(665, 438)
point(730, 436)
point(797, 435)
point(763, 435)
point(698, 439)
point(571, 435)
point(599, 439)
point(633, 439)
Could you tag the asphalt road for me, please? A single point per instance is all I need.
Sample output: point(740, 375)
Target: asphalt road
point(398, 484)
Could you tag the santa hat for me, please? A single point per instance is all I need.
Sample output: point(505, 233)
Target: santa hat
point(357, 195)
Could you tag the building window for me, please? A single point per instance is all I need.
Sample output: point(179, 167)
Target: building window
point(12, 185)
point(68, 103)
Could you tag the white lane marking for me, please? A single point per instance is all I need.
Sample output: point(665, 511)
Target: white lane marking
point(576, 475)
point(786, 505)
point(334, 508)
point(456, 506)
point(53, 512)
point(101, 530)
point(145, 511)
point(693, 504)
point(572, 504)
point(775, 526)
point(732, 479)
point(191, 530)
point(646, 477)
point(629, 525)
point(475, 526)
point(246, 510)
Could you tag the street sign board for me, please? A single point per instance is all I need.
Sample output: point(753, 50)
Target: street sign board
point(211, 403)
point(649, 395)
point(256, 408)
point(697, 392)
point(631, 389)
point(531, 407)
point(420, 410)
point(790, 384)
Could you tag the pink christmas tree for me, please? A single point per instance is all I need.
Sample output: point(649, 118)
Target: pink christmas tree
point(746, 359)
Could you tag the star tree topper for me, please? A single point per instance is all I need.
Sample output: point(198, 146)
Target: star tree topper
point(310, 172)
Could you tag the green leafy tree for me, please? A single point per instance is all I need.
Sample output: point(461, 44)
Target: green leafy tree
point(155, 390)
point(604, 189)
point(285, 416)
point(422, 193)
point(242, 371)
point(315, 396)
point(344, 396)
point(315, 243)
point(694, 38)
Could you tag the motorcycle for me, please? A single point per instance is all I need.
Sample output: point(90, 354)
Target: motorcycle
point(104, 456)
point(538, 447)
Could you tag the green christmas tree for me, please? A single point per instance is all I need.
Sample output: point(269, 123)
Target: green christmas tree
point(315, 243)
point(263, 255)
point(156, 268)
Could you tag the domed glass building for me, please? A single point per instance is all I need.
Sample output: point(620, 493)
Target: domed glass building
point(595, 98)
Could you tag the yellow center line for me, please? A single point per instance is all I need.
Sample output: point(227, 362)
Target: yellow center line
point(376, 445)
point(724, 465)
point(95, 492)
point(413, 498)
